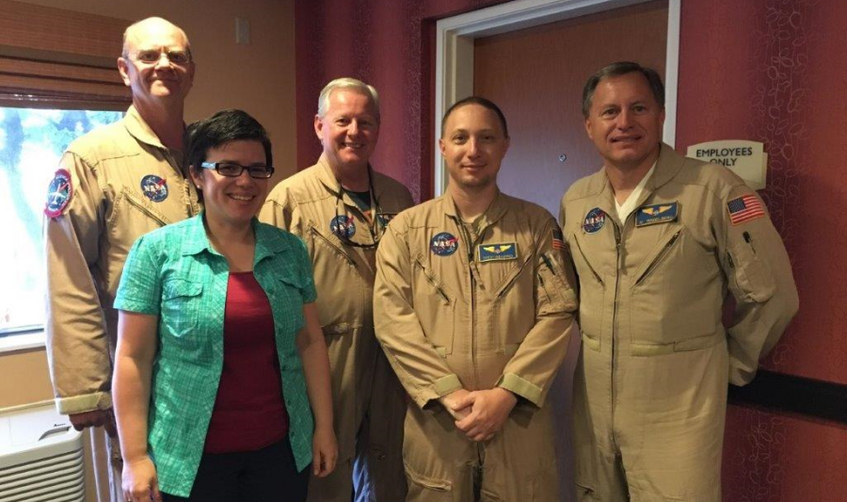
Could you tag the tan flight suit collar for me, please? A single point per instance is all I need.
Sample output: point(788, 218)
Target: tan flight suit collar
point(667, 166)
point(140, 130)
point(331, 183)
point(492, 215)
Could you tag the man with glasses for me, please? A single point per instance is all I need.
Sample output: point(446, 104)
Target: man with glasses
point(340, 207)
point(112, 186)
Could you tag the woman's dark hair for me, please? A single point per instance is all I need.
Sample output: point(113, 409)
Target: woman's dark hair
point(221, 128)
point(476, 100)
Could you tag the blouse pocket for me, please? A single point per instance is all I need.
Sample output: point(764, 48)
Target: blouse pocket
point(181, 306)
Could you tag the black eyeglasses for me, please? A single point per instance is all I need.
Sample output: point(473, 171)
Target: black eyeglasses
point(233, 170)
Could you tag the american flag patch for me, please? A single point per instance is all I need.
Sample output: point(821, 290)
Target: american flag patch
point(745, 208)
point(558, 240)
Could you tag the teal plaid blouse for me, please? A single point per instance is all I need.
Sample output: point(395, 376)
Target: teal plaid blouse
point(174, 273)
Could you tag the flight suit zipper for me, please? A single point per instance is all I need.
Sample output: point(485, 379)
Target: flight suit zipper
point(473, 283)
point(661, 256)
point(144, 209)
point(434, 283)
point(332, 245)
point(614, 325)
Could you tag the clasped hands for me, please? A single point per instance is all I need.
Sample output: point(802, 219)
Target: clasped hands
point(480, 414)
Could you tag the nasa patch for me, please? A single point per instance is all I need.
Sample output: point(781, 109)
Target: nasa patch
point(342, 227)
point(594, 220)
point(154, 188)
point(444, 244)
point(58, 193)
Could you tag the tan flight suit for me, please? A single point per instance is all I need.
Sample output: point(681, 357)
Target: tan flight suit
point(368, 402)
point(453, 311)
point(86, 247)
point(651, 381)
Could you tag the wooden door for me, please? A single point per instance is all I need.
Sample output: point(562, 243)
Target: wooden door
point(536, 76)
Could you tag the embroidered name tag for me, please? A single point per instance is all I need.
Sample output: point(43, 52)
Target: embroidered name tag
point(655, 214)
point(497, 252)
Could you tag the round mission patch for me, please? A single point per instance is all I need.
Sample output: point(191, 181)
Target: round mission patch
point(154, 187)
point(594, 220)
point(342, 226)
point(58, 193)
point(444, 244)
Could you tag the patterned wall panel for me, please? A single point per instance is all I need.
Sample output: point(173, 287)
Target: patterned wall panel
point(769, 70)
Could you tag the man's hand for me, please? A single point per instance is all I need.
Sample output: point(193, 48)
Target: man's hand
point(489, 410)
point(456, 403)
point(95, 418)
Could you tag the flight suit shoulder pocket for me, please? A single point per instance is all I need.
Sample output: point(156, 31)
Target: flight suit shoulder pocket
point(753, 278)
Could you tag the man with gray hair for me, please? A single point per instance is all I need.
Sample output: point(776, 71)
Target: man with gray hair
point(340, 207)
point(112, 186)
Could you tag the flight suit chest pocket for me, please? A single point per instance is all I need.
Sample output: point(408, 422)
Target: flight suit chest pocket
point(435, 305)
point(672, 296)
point(513, 312)
point(594, 296)
point(181, 306)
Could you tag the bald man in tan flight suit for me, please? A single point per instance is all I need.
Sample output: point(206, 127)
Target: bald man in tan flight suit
point(473, 306)
point(113, 185)
point(657, 239)
point(340, 207)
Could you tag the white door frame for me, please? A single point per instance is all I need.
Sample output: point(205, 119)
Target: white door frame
point(455, 47)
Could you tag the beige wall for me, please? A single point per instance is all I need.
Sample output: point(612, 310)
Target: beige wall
point(258, 78)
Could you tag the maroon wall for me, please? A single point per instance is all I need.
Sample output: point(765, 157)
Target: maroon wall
point(767, 70)
point(773, 71)
point(391, 45)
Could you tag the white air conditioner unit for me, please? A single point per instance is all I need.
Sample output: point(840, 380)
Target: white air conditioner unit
point(40, 457)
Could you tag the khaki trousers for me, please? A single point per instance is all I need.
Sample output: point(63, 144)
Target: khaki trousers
point(368, 406)
point(659, 436)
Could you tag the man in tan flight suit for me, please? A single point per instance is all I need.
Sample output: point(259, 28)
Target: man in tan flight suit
point(473, 305)
point(340, 207)
point(113, 185)
point(657, 239)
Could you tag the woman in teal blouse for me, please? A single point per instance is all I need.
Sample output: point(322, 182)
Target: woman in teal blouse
point(221, 360)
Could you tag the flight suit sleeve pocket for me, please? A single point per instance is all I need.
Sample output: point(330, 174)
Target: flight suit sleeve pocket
point(753, 277)
point(554, 293)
